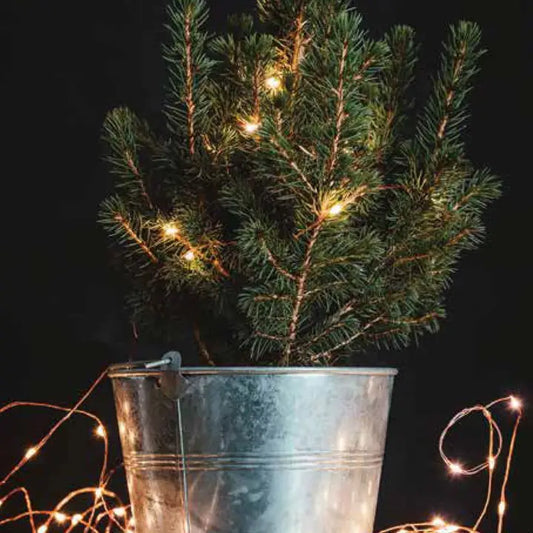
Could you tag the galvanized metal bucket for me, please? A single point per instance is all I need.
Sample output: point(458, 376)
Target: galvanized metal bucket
point(253, 450)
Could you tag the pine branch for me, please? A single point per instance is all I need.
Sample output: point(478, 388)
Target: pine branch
point(297, 43)
point(122, 132)
point(135, 171)
point(391, 102)
point(409, 259)
point(340, 112)
point(288, 17)
point(114, 217)
point(445, 113)
point(288, 159)
point(476, 192)
point(134, 237)
point(267, 297)
point(187, 102)
point(328, 353)
point(276, 142)
point(453, 241)
point(406, 327)
point(262, 335)
point(300, 294)
point(313, 341)
point(277, 266)
point(197, 251)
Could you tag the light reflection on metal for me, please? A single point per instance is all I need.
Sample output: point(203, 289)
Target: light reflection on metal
point(281, 447)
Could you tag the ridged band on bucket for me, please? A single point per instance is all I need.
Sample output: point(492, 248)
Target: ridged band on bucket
point(251, 461)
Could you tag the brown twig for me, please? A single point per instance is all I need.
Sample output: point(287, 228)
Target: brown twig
point(129, 230)
point(256, 84)
point(364, 67)
point(452, 242)
point(460, 236)
point(135, 171)
point(275, 263)
point(417, 320)
point(279, 338)
point(321, 335)
point(325, 287)
point(349, 340)
point(189, 100)
point(364, 330)
point(293, 164)
point(451, 93)
point(340, 114)
point(415, 257)
point(270, 297)
point(314, 225)
point(462, 201)
point(302, 279)
point(298, 42)
point(202, 347)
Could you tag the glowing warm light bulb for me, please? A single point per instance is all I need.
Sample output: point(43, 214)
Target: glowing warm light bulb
point(402, 531)
point(98, 492)
point(515, 403)
point(76, 519)
point(451, 529)
point(273, 83)
point(456, 468)
point(502, 506)
point(42, 529)
point(492, 462)
point(189, 256)
point(100, 431)
point(1, 503)
point(119, 511)
point(60, 517)
point(438, 522)
point(335, 209)
point(250, 126)
point(30, 452)
point(170, 230)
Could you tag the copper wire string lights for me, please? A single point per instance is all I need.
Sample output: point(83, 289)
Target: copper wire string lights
point(106, 513)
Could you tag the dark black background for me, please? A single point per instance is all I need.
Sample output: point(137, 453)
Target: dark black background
point(64, 64)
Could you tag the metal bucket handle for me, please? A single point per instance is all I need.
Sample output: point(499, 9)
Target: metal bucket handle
point(173, 386)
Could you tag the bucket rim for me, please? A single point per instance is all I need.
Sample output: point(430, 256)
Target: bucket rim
point(135, 369)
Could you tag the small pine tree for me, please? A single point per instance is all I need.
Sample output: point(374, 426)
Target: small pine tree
point(297, 204)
